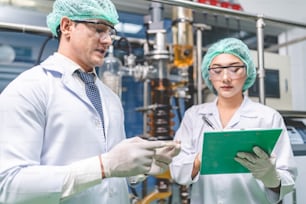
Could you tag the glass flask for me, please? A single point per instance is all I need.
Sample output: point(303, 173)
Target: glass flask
point(110, 72)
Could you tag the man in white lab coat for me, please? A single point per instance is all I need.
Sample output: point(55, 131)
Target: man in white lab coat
point(56, 146)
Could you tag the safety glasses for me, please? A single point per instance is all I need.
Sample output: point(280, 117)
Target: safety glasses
point(102, 29)
point(232, 71)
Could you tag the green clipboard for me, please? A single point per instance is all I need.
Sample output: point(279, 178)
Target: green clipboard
point(221, 147)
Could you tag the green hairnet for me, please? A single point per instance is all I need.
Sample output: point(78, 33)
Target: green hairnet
point(80, 10)
point(229, 46)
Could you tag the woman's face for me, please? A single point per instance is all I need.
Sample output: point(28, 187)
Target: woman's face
point(227, 74)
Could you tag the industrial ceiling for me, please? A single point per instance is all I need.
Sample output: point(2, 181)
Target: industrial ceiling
point(222, 25)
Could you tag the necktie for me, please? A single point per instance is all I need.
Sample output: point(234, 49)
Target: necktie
point(92, 93)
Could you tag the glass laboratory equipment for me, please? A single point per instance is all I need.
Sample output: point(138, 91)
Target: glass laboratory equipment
point(182, 37)
point(110, 72)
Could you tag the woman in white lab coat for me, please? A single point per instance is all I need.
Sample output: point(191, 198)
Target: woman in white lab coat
point(55, 147)
point(228, 71)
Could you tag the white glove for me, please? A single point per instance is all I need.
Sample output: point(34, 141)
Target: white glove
point(261, 166)
point(130, 157)
point(163, 157)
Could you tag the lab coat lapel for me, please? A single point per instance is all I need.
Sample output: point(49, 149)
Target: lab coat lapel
point(104, 95)
point(240, 114)
point(62, 68)
point(72, 85)
point(212, 115)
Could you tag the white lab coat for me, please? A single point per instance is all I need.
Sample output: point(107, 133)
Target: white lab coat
point(231, 188)
point(47, 122)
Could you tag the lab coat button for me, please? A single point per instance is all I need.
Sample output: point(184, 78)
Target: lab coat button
point(111, 192)
point(97, 122)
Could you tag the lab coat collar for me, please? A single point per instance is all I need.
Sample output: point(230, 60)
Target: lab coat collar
point(60, 63)
point(244, 108)
point(63, 65)
point(210, 110)
point(242, 113)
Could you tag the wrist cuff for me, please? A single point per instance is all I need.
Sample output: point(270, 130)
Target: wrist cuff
point(105, 164)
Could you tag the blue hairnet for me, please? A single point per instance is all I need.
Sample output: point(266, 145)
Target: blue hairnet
point(80, 10)
point(230, 46)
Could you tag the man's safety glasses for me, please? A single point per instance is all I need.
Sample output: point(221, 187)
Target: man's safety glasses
point(102, 29)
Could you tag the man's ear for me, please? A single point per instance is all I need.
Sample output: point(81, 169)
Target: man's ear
point(65, 26)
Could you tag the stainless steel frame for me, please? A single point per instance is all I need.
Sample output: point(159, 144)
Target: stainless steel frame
point(260, 19)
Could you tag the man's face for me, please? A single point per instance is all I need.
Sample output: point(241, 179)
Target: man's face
point(87, 42)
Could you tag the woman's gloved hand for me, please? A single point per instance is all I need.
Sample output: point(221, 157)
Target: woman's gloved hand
point(261, 166)
point(131, 157)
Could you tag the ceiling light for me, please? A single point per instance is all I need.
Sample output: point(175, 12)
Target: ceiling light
point(128, 28)
point(23, 3)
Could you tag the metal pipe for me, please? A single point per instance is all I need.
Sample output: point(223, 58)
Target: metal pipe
point(247, 16)
point(156, 10)
point(200, 28)
point(199, 60)
point(145, 104)
point(198, 73)
point(45, 31)
point(285, 44)
point(25, 28)
point(260, 52)
point(222, 11)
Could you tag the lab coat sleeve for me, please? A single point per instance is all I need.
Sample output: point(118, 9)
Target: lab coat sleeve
point(82, 175)
point(285, 163)
point(23, 180)
point(182, 165)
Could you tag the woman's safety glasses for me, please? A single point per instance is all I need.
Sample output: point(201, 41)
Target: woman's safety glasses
point(232, 71)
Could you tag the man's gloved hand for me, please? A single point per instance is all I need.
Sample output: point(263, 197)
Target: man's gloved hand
point(130, 157)
point(163, 157)
point(261, 166)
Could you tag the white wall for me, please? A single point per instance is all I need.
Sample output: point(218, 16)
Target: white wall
point(297, 53)
point(282, 63)
point(298, 196)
